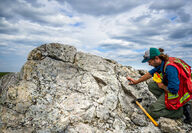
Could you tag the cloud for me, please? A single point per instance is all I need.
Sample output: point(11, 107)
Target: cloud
point(114, 44)
point(48, 13)
point(178, 10)
point(7, 28)
point(167, 5)
point(184, 17)
point(109, 47)
point(133, 40)
point(120, 30)
point(187, 45)
point(181, 32)
point(100, 8)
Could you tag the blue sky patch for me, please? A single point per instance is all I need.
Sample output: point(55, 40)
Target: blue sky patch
point(173, 18)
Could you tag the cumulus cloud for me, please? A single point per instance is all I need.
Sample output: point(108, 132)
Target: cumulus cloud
point(106, 7)
point(181, 32)
point(168, 5)
point(121, 30)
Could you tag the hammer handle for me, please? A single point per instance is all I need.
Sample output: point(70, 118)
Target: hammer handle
point(147, 114)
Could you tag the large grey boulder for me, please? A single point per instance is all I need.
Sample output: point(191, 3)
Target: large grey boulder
point(62, 90)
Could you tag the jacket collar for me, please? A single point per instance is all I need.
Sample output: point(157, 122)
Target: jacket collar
point(162, 66)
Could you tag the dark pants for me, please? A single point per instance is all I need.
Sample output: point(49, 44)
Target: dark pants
point(158, 108)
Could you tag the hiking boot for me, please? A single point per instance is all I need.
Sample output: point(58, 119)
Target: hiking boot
point(187, 113)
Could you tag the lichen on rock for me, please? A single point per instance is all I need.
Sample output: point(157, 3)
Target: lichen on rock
point(62, 90)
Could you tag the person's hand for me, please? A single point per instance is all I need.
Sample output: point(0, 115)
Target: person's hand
point(162, 86)
point(132, 81)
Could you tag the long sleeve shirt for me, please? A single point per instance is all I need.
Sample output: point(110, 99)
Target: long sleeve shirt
point(171, 73)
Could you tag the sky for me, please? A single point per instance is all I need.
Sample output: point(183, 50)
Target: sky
point(121, 30)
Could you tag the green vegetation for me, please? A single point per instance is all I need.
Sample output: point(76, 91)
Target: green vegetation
point(3, 73)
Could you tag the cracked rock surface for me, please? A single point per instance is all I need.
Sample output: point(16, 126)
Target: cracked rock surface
point(61, 90)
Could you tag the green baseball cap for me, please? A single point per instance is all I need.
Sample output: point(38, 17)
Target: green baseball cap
point(150, 54)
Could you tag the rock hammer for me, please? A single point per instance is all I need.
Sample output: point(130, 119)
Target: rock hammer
point(135, 100)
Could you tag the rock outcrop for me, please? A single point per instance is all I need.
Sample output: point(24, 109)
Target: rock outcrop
point(61, 90)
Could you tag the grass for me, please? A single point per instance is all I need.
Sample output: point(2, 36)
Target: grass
point(3, 73)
